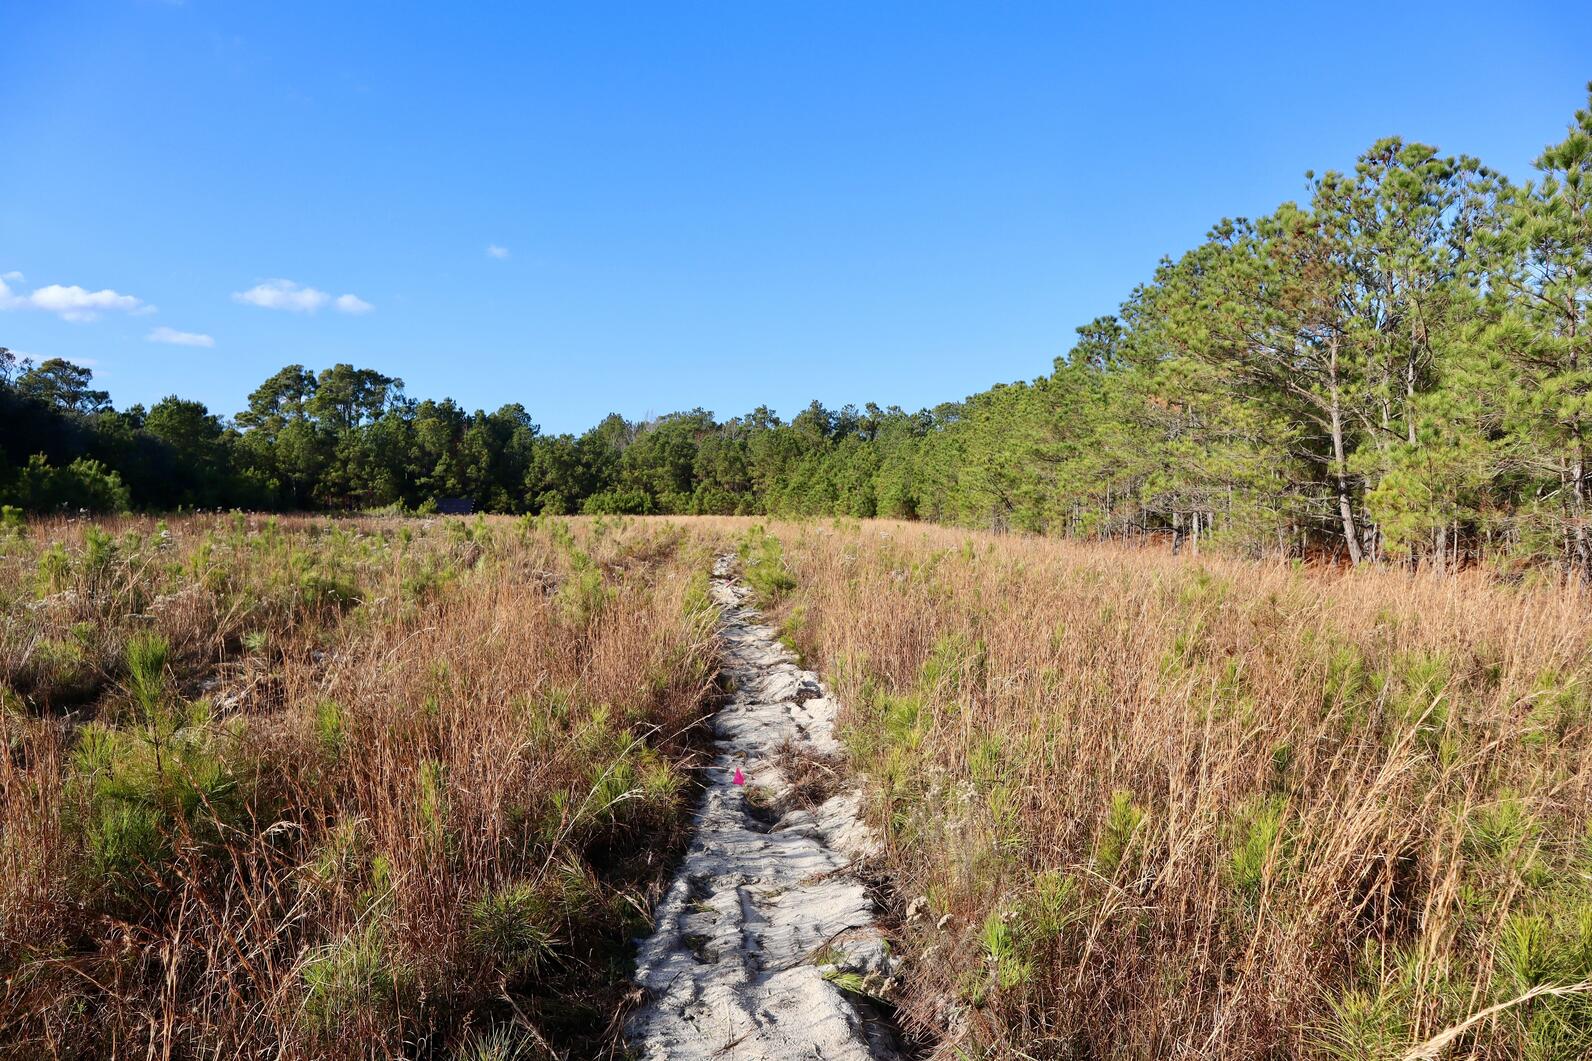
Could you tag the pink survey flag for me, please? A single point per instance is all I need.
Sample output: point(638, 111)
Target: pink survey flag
point(739, 778)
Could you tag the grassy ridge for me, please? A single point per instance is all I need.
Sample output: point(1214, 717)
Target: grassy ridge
point(1157, 806)
point(337, 788)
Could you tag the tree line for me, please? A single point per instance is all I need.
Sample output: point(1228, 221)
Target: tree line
point(349, 438)
point(1396, 368)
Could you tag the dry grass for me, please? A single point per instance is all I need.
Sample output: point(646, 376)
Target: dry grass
point(1168, 807)
point(359, 788)
point(338, 789)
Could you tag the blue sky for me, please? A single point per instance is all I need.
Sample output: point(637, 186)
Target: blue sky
point(720, 204)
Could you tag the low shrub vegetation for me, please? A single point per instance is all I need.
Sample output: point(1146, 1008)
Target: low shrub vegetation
point(1150, 806)
point(378, 787)
point(351, 788)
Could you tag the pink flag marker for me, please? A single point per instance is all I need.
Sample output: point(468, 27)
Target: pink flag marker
point(739, 778)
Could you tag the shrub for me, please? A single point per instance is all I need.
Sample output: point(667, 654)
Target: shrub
point(618, 503)
point(763, 566)
point(142, 791)
point(83, 484)
point(1122, 824)
point(147, 656)
point(514, 927)
point(351, 978)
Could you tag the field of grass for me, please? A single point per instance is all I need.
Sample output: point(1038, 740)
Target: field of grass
point(1139, 806)
point(338, 788)
point(371, 787)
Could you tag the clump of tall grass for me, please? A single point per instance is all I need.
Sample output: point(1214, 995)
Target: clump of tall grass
point(337, 788)
point(1157, 806)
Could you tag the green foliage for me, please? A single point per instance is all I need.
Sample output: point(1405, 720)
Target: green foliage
point(147, 657)
point(699, 598)
point(84, 484)
point(849, 981)
point(324, 591)
point(1258, 843)
point(1415, 690)
point(514, 927)
point(1548, 950)
point(1496, 831)
point(432, 800)
point(763, 566)
point(338, 859)
point(353, 977)
point(1117, 833)
point(1055, 904)
point(584, 593)
point(331, 726)
point(1004, 952)
point(144, 790)
point(618, 503)
point(1366, 1026)
point(1558, 706)
point(986, 762)
point(954, 667)
point(1348, 688)
point(54, 568)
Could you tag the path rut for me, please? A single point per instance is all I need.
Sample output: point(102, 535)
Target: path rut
point(767, 902)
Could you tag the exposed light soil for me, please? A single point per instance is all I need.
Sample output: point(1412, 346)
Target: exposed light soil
point(766, 920)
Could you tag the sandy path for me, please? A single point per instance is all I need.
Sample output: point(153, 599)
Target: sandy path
point(766, 893)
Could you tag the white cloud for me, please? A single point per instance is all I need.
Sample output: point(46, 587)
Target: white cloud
point(164, 334)
point(494, 251)
point(14, 276)
point(298, 298)
point(283, 294)
point(71, 303)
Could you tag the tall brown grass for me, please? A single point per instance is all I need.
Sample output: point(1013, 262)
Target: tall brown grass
point(1142, 806)
point(360, 788)
point(339, 789)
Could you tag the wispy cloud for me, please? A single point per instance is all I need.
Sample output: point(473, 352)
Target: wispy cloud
point(298, 298)
point(495, 251)
point(14, 276)
point(72, 302)
point(164, 334)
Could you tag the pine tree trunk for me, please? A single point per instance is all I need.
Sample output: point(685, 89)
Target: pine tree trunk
point(1340, 465)
point(1578, 476)
point(1409, 400)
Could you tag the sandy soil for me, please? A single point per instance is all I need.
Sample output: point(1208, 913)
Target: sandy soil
point(765, 913)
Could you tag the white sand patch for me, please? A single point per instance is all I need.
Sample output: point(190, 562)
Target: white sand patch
point(766, 892)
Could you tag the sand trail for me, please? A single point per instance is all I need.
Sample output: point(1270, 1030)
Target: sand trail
point(766, 908)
